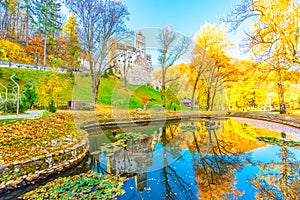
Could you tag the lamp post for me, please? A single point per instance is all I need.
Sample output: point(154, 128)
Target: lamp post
point(18, 94)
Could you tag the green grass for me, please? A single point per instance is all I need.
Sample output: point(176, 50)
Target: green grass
point(112, 92)
point(23, 76)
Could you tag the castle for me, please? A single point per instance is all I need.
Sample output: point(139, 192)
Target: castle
point(132, 61)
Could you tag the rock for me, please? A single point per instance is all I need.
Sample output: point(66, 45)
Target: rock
point(44, 151)
point(32, 177)
point(2, 185)
point(4, 166)
point(9, 183)
point(17, 182)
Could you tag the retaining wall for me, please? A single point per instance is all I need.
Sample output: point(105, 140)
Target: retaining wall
point(18, 174)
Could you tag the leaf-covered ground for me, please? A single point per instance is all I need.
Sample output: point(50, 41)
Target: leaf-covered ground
point(27, 139)
point(89, 185)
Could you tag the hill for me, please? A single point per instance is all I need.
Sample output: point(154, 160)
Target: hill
point(112, 92)
point(78, 87)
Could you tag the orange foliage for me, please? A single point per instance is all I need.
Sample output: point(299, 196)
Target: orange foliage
point(36, 45)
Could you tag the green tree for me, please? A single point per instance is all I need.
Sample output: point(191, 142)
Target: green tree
point(47, 21)
point(29, 96)
point(170, 98)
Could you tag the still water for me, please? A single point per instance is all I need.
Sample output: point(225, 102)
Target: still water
point(201, 159)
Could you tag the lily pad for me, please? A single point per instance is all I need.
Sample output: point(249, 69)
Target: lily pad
point(279, 142)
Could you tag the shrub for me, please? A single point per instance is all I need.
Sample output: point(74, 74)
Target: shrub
point(52, 108)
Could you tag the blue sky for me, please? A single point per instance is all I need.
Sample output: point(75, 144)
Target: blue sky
point(184, 16)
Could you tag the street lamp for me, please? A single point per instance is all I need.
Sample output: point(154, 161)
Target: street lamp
point(18, 95)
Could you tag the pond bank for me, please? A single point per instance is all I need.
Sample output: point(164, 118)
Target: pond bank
point(35, 149)
point(157, 119)
point(281, 119)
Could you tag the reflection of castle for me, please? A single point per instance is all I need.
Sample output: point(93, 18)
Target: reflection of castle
point(132, 160)
point(139, 64)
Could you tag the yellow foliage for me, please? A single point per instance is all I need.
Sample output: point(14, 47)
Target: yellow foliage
point(13, 52)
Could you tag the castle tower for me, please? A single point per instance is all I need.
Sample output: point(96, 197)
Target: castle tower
point(140, 44)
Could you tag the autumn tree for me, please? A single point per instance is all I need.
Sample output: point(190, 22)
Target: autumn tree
point(99, 21)
point(50, 88)
point(274, 36)
point(36, 47)
point(171, 47)
point(70, 31)
point(250, 88)
point(211, 61)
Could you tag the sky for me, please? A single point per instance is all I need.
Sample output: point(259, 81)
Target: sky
point(184, 16)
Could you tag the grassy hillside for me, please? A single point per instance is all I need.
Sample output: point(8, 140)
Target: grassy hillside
point(24, 76)
point(111, 90)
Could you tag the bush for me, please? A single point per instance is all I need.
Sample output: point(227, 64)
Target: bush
point(52, 108)
point(11, 107)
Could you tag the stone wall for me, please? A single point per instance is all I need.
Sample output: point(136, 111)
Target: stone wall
point(18, 174)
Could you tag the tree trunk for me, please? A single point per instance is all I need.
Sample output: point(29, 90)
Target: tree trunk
point(208, 100)
point(194, 90)
point(213, 98)
point(125, 83)
point(125, 74)
point(27, 26)
point(280, 92)
point(163, 85)
point(95, 89)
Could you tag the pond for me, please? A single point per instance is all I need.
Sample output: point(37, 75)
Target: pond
point(201, 159)
point(197, 159)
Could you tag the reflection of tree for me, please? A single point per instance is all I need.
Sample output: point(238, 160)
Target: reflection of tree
point(279, 180)
point(215, 170)
point(169, 174)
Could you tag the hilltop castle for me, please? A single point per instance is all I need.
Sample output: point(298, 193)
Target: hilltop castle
point(132, 61)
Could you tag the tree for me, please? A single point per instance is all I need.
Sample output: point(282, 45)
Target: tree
point(47, 20)
point(170, 97)
point(211, 61)
point(29, 96)
point(70, 31)
point(99, 21)
point(49, 88)
point(35, 46)
point(274, 36)
point(170, 50)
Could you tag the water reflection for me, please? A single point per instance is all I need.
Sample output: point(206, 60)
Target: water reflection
point(278, 179)
point(216, 159)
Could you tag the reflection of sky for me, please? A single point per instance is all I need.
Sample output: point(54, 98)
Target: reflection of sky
point(156, 189)
point(184, 168)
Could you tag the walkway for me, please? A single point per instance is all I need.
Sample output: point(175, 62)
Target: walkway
point(29, 115)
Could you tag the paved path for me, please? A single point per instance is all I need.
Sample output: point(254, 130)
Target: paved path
point(29, 115)
point(271, 126)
